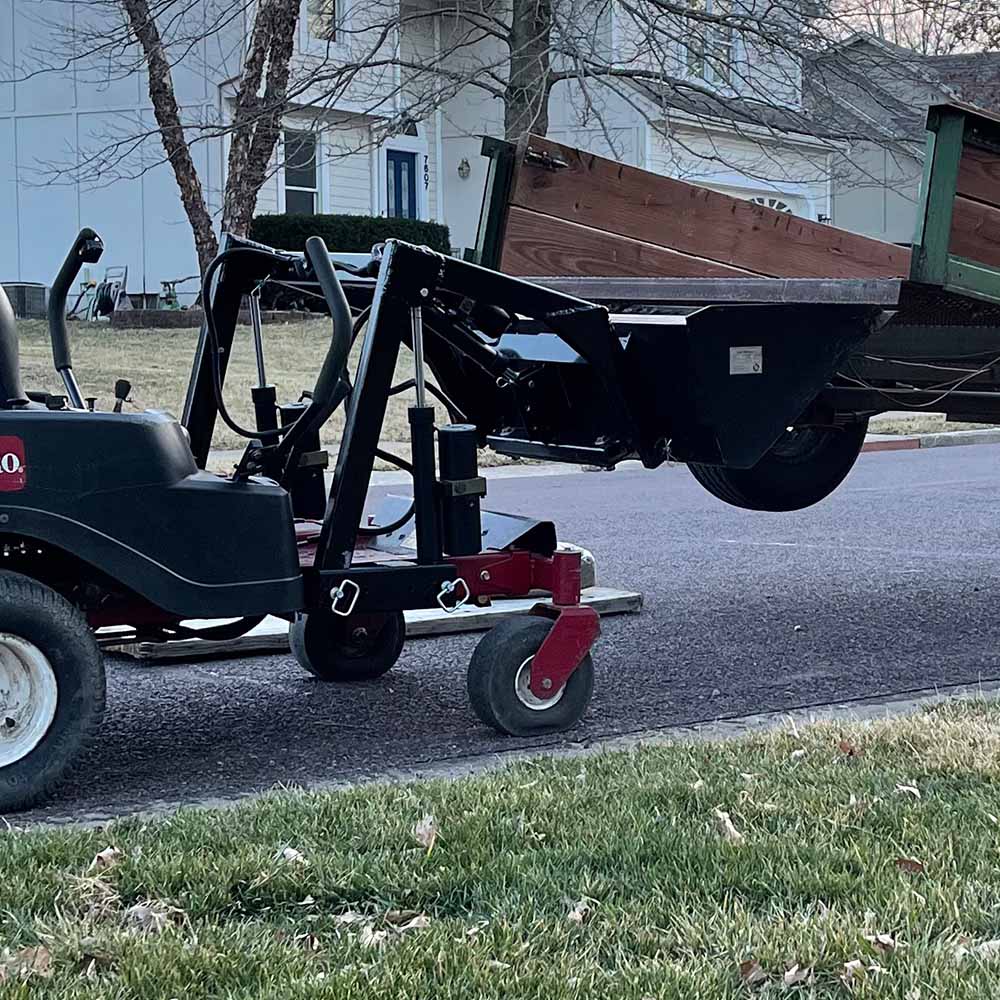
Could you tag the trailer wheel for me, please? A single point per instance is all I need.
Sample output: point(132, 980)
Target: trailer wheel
point(804, 466)
point(498, 677)
point(356, 648)
point(51, 689)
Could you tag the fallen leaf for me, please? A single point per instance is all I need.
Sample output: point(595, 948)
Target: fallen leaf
point(884, 943)
point(985, 950)
point(93, 958)
point(400, 916)
point(853, 970)
point(751, 973)
point(697, 786)
point(729, 832)
point(797, 974)
point(348, 917)
point(420, 922)
point(372, 938)
point(908, 790)
point(911, 865)
point(799, 628)
point(153, 917)
point(494, 964)
point(291, 855)
point(797, 754)
point(847, 748)
point(914, 994)
point(107, 858)
point(26, 964)
point(425, 832)
point(579, 912)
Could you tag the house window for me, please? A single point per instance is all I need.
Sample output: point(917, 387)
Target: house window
point(710, 46)
point(323, 19)
point(301, 188)
point(776, 203)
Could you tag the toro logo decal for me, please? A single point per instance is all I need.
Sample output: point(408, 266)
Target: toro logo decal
point(13, 467)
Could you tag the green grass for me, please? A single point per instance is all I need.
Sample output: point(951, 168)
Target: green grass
point(595, 877)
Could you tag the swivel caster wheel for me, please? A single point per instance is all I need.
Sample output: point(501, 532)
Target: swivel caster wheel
point(499, 675)
point(356, 648)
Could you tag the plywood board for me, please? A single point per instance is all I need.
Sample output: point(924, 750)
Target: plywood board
point(979, 175)
point(271, 636)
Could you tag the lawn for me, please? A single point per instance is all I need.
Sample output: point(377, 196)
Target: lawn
point(841, 860)
point(158, 364)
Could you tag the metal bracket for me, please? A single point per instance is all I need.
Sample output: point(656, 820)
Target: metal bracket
point(340, 592)
point(543, 159)
point(449, 587)
point(475, 487)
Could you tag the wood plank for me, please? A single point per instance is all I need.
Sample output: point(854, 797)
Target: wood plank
point(271, 636)
point(705, 291)
point(979, 175)
point(541, 244)
point(644, 206)
point(975, 232)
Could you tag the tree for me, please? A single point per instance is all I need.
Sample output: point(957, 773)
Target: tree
point(394, 62)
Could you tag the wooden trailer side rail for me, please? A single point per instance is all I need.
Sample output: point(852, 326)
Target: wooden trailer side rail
point(550, 209)
point(957, 243)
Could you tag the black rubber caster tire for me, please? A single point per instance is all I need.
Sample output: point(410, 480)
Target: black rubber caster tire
point(330, 648)
point(51, 690)
point(803, 467)
point(501, 661)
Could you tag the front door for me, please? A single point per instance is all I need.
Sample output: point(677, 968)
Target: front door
point(402, 181)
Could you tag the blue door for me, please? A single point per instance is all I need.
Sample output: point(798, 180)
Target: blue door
point(402, 181)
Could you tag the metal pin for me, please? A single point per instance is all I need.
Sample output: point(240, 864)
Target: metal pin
point(417, 338)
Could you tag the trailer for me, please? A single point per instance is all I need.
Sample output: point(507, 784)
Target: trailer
point(762, 385)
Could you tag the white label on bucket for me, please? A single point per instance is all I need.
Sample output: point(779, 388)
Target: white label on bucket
point(746, 360)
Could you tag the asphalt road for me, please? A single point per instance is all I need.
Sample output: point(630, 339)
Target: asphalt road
point(894, 581)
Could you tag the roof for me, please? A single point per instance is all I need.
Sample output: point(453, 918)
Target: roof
point(974, 76)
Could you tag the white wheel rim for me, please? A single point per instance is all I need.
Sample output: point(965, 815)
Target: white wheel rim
point(29, 694)
point(522, 688)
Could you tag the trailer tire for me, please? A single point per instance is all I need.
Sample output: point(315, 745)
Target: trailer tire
point(52, 689)
point(497, 682)
point(330, 647)
point(803, 467)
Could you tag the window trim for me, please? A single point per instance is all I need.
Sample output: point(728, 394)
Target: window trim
point(713, 80)
point(318, 45)
point(316, 191)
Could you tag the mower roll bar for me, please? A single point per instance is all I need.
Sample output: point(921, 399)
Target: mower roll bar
point(87, 249)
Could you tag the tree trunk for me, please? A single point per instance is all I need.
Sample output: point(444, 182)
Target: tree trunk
point(257, 117)
point(526, 105)
point(161, 93)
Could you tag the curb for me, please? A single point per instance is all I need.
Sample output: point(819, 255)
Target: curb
point(942, 439)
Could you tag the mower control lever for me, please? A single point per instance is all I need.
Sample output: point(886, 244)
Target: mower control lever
point(87, 249)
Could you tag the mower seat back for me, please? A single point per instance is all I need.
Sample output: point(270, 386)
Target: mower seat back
point(11, 393)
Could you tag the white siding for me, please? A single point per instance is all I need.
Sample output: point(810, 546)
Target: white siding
point(349, 189)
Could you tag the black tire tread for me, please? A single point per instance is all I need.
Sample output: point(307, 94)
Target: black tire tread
point(25, 592)
point(518, 638)
point(758, 488)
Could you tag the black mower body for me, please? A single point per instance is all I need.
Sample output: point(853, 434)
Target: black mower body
point(121, 493)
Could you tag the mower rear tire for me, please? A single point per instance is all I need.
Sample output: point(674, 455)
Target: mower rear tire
point(52, 689)
point(356, 648)
point(805, 465)
point(498, 677)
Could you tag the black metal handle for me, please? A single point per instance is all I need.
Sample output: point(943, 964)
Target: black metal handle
point(86, 250)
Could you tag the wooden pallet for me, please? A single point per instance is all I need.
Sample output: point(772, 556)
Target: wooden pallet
point(271, 635)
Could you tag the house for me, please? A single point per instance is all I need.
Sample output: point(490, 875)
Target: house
point(702, 120)
point(881, 92)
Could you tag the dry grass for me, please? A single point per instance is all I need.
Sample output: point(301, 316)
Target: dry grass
point(158, 364)
point(838, 861)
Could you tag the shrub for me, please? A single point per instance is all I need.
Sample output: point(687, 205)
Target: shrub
point(346, 233)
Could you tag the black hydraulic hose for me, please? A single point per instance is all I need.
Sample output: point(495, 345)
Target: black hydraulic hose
point(213, 343)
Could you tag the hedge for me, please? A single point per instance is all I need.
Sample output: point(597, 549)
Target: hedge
point(346, 233)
